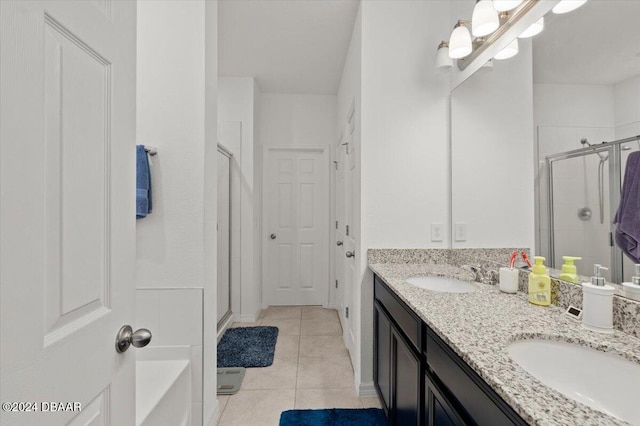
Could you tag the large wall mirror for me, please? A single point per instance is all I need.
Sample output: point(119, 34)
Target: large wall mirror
point(528, 167)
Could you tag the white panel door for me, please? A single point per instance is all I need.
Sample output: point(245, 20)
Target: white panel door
point(339, 229)
point(67, 188)
point(350, 274)
point(296, 225)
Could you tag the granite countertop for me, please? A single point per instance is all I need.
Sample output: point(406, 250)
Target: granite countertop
point(479, 325)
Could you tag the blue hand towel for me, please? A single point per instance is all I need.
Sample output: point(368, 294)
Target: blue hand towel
point(628, 215)
point(143, 183)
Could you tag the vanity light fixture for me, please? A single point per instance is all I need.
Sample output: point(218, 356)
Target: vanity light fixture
point(566, 6)
point(504, 5)
point(460, 41)
point(484, 20)
point(508, 52)
point(534, 29)
point(443, 61)
point(488, 64)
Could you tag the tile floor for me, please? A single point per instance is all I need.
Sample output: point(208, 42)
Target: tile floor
point(311, 369)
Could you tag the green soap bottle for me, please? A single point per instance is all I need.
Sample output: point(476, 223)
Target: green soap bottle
point(539, 284)
point(569, 272)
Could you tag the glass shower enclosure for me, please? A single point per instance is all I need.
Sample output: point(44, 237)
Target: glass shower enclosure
point(582, 197)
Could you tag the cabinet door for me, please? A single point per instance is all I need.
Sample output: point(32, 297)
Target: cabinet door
point(382, 355)
point(406, 383)
point(438, 410)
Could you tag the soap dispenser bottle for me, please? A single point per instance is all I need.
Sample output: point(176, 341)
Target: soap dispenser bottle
point(539, 284)
point(597, 303)
point(632, 289)
point(569, 272)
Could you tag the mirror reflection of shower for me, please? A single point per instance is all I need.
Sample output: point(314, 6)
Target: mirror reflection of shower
point(604, 156)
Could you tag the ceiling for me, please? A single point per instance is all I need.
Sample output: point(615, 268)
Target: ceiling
point(598, 43)
point(289, 46)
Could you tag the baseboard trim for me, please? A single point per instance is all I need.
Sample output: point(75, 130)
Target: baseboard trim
point(248, 318)
point(225, 326)
point(214, 417)
point(367, 389)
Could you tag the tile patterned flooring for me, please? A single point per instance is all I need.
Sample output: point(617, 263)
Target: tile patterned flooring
point(311, 369)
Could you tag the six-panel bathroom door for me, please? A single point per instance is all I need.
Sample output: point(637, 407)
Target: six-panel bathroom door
point(67, 185)
point(296, 226)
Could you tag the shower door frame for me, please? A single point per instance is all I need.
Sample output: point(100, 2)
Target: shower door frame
point(615, 182)
point(224, 151)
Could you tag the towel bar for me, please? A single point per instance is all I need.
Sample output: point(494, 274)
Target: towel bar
point(152, 150)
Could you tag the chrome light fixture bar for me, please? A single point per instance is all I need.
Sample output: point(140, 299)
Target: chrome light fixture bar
point(508, 19)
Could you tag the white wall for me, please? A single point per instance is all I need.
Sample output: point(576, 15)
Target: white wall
point(170, 116)
point(176, 82)
point(403, 145)
point(574, 105)
point(290, 119)
point(492, 155)
point(236, 103)
point(627, 108)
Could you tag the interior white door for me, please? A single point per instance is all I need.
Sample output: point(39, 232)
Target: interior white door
point(224, 239)
point(340, 214)
point(67, 188)
point(349, 266)
point(296, 223)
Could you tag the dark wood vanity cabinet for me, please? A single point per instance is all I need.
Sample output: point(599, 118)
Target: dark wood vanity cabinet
point(398, 369)
point(420, 379)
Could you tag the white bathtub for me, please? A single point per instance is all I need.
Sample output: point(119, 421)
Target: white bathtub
point(163, 388)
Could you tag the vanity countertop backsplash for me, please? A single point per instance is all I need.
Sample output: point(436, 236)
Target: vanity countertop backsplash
point(479, 325)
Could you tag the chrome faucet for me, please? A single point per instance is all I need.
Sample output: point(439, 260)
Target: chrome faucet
point(484, 276)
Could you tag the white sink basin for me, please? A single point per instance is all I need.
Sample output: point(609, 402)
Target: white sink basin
point(441, 284)
point(603, 381)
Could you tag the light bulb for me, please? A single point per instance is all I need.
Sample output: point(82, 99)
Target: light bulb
point(508, 52)
point(459, 42)
point(504, 5)
point(443, 61)
point(485, 19)
point(566, 6)
point(534, 29)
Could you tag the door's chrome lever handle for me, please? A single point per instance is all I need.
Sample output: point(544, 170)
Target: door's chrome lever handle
point(339, 243)
point(127, 337)
point(350, 253)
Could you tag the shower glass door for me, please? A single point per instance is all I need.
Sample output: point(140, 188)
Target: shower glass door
point(581, 209)
point(224, 237)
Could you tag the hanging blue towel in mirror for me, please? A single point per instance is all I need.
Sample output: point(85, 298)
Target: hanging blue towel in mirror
point(143, 183)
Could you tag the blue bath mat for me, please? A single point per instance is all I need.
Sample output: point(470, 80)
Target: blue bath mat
point(334, 417)
point(247, 347)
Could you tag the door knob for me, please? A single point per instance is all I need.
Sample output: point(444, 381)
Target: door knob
point(339, 243)
point(273, 236)
point(127, 337)
point(350, 253)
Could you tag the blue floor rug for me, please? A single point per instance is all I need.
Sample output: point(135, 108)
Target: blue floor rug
point(334, 417)
point(247, 347)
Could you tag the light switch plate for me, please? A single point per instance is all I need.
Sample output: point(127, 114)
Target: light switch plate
point(460, 231)
point(437, 231)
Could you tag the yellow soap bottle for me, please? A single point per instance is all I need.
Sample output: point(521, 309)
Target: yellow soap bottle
point(569, 272)
point(539, 284)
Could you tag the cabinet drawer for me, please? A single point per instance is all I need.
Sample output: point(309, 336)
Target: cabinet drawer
point(407, 321)
point(474, 396)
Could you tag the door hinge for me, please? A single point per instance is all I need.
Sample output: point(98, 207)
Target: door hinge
point(611, 239)
point(347, 312)
point(336, 224)
point(347, 229)
point(336, 283)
